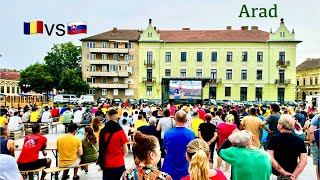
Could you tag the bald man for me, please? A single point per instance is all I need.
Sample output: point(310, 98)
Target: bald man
point(175, 143)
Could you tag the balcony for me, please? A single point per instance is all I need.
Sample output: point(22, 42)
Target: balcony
point(216, 81)
point(109, 50)
point(103, 62)
point(149, 81)
point(109, 86)
point(282, 81)
point(108, 73)
point(282, 63)
point(149, 63)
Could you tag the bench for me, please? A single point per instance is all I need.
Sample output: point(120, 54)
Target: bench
point(33, 172)
point(44, 128)
point(14, 135)
point(54, 125)
point(58, 169)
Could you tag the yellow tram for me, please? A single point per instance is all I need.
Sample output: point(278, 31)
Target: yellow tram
point(20, 100)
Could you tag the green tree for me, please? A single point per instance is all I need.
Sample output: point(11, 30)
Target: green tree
point(36, 78)
point(72, 82)
point(64, 56)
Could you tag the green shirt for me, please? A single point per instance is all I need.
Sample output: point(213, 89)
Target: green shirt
point(89, 153)
point(67, 117)
point(248, 164)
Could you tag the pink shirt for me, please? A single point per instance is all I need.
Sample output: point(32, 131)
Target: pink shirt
point(224, 131)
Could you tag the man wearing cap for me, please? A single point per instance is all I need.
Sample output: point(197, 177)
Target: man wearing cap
point(247, 161)
point(285, 148)
point(150, 129)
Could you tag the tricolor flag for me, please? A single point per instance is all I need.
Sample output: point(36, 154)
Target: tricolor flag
point(33, 27)
point(77, 27)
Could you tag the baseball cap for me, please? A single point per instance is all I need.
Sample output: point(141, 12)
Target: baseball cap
point(240, 138)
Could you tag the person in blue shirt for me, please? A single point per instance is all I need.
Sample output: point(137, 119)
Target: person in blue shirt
point(125, 116)
point(175, 144)
point(313, 137)
point(63, 109)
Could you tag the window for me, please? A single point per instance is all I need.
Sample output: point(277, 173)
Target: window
point(149, 57)
point(243, 93)
point(91, 44)
point(198, 72)
point(282, 56)
point(297, 82)
point(316, 81)
point(167, 72)
point(259, 74)
point(214, 73)
point(116, 57)
point(13, 90)
point(304, 81)
point(104, 44)
point(149, 34)
point(91, 91)
point(229, 56)
point(18, 90)
point(104, 69)
point(149, 90)
point(8, 89)
point(310, 93)
point(115, 45)
point(281, 76)
point(113, 68)
point(129, 45)
point(199, 56)
point(91, 68)
point(281, 95)
point(282, 34)
point(168, 57)
point(258, 93)
point(2, 89)
point(311, 81)
point(183, 56)
point(115, 92)
point(227, 91)
point(214, 56)
point(243, 74)
point(244, 56)
point(129, 92)
point(104, 80)
point(91, 80)
point(115, 80)
point(129, 57)
point(229, 74)
point(104, 56)
point(260, 56)
point(183, 73)
point(149, 75)
point(104, 92)
point(92, 56)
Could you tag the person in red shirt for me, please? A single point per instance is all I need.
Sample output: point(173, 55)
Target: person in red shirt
point(29, 157)
point(112, 147)
point(54, 112)
point(202, 113)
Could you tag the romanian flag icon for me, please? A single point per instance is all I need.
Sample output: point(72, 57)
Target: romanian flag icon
point(33, 27)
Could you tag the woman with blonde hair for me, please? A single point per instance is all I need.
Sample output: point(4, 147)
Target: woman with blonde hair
point(224, 131)
point(198, 154)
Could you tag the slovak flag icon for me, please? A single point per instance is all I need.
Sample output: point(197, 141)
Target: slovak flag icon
point(77, 27)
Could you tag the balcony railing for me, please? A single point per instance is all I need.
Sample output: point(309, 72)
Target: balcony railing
point(149, 63)
point(216, 81)
point(283, 81)
point(109, 50)
point(109, 86)
point(103, 62)
point(109, 73)
point(149, 80)
point(282, 63)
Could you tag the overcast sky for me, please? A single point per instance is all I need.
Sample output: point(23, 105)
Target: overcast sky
point(18, 50)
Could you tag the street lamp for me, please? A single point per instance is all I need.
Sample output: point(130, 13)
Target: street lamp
point(26, 86)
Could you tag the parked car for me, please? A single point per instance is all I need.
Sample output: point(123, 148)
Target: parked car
point(86, 99)
point(229, 102)
point(142, 101)
point(116, 101)
point(65, 99)
point(290, 103)
point(132, 101)
point(209, 102)
point(220, 103)
point(300, 102)
point(154, 101)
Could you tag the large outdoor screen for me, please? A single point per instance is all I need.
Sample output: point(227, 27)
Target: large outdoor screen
point(185, 89)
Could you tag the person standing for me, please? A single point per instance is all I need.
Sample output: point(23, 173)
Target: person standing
point(175, 143)
point(285, 148)
point(70, 150)
point(112, 148)
point(315, 127)
point(6, 144)
point(252, 124)
point(272, 121)
point(209, 133)
point(151, 129)
point(196, 121)
point(140, 122)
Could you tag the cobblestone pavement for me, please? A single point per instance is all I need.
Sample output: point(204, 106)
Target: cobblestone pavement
point(94, 173)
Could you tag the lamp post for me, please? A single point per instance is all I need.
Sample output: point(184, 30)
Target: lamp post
point(26, 86)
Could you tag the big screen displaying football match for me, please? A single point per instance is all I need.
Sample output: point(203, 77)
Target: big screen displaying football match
point(185, 89)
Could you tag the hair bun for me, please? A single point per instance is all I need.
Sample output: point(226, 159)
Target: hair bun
point(139, 138)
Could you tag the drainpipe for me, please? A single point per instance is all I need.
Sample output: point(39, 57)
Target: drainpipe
point(161, 45)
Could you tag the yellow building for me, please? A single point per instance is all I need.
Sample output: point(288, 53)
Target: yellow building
point(110, 63)
point(308, 75)
point(9, 88)
point(242, 64)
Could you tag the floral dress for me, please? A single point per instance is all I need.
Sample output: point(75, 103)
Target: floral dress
point(145, 173)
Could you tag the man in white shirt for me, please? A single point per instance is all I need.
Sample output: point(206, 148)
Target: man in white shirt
point(15, 122)
point(46, 115)
point(78, 116)
point(135, 116)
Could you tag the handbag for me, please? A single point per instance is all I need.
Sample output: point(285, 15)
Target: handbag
point(93, 146)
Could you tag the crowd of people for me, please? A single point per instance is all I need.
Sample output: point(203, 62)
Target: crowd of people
point(174, 141)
